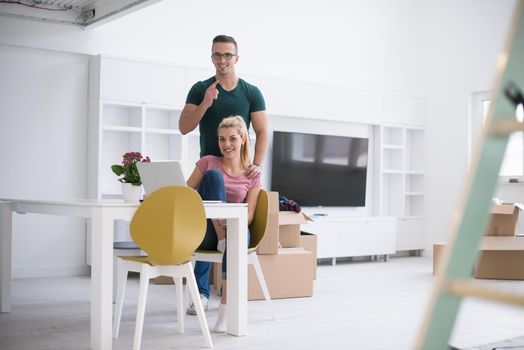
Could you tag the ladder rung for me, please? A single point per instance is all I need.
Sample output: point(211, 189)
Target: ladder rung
point(505, 127)
point(481, 290)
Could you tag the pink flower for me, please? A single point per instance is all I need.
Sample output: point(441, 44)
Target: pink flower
point(128, 168)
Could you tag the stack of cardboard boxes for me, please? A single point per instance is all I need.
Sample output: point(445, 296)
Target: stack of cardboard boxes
point(502, 250)
point(289, 267)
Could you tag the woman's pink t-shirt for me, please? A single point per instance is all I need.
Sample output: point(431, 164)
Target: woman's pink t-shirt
point(237, 187)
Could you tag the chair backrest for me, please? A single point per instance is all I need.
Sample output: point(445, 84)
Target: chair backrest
point(169, 225)
point(258, 226)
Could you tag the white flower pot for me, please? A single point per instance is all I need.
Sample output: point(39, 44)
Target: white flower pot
point(132, 194)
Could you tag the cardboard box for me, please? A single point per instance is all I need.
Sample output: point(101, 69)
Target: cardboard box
point(288, 274)
point(504, 219)
point(289, 228)
point(163, 280)
point(308, 241)
point(438, 248)
point(499, 258)
point(289, 236)
point(269, 244)
point(283, 228)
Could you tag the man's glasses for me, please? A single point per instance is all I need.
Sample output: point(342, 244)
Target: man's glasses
point(218, 56)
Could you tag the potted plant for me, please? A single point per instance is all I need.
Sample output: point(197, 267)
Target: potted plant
point(131, 178)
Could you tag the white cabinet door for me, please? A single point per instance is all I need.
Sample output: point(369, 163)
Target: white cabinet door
point(353, 237)
point(126, 80)
point(367, 237)
point(411, 234)
point(327, 237)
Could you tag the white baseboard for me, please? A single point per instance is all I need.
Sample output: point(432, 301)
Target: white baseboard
point(50, 271)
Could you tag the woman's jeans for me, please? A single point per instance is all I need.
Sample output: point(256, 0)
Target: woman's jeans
point(211, 188)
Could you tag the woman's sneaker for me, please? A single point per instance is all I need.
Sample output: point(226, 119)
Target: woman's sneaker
point(221, 245)
point(205, 304)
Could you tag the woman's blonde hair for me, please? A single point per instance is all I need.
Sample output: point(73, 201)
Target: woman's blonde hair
point(237, 122)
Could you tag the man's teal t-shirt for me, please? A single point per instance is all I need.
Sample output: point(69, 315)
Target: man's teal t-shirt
point(242, 100)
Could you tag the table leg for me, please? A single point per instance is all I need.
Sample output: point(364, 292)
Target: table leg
point(6, 229)
point(237, 275)
point(101, 278)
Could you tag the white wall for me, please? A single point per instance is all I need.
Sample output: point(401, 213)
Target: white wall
point(365, 45)
point(43, 115)
point(442, 50)
point(464, 39)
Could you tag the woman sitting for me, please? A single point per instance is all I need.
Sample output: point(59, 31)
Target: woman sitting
point(222, 178)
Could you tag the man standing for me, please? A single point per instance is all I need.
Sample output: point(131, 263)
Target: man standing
point(210, 101)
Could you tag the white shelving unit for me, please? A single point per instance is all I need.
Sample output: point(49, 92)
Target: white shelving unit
point(124, 127)
point(131, 112)
point(401, 182)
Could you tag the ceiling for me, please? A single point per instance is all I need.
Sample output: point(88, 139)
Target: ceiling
point(82, 13)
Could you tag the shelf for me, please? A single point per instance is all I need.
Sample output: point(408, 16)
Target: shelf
point(163, 131)
point(414, 172)
point(415, 183)
point(115, 128)
point(393, 135)
point(112, 195)
point(392, 172)
point(415, 149)
point(414, 206)
point(161, 118)
point(414, 193)
point(163, 146)
point(393, 158)
point(393, 147)
point(412, 217)
point(119, 115)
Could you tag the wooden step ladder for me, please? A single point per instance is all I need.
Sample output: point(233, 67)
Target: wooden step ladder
point(454, 282)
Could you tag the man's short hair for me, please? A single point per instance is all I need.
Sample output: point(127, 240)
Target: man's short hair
point(225, 39)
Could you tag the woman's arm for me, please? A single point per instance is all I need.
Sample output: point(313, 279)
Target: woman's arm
point(195, 178)
point(251, 200)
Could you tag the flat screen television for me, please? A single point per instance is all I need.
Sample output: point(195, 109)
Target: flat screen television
point(320, 170)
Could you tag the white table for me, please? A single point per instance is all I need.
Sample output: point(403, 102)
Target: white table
point(102, 214)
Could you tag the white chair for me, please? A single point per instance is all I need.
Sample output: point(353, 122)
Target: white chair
point(122, 248)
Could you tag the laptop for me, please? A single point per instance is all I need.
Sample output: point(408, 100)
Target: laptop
point(155, 175)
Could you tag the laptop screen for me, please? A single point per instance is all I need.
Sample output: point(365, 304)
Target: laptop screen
point(155, 175)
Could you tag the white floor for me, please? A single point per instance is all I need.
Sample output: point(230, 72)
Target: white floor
point(356, 305)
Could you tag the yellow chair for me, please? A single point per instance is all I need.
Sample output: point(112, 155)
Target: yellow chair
point(257, 229)
point(169, 225)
